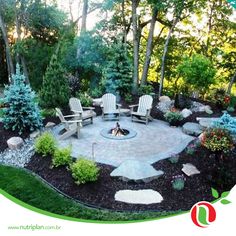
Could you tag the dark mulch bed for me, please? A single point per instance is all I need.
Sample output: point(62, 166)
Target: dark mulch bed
point(220, 174)
point(7, 134)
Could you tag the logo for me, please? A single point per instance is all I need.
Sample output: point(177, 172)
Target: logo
point(203, 214)
point(232, 2)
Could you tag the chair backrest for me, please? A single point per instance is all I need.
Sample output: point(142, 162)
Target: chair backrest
point(75, 105)
point(145, 102)
point(109, 102)
point(60, 115)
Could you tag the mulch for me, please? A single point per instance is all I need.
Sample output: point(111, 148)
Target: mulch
point(220, 174)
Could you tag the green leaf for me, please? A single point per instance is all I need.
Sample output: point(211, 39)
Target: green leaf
point(225, 201)
point(224, 194)
point(215, 193)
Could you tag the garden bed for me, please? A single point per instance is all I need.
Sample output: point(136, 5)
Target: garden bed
point(220, 174)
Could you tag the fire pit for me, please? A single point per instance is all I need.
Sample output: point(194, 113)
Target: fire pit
point(118, 133)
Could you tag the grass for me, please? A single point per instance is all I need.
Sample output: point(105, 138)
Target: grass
point(29, 189)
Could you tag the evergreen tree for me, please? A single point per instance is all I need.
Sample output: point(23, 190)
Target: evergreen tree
point(55, 91)
point(118, 72)
point(22, 112)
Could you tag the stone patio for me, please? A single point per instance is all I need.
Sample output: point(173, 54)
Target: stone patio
point(152, 143)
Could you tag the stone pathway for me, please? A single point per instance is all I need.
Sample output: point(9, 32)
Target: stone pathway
point(146, 196)
point(137, 171)
point(153, 142)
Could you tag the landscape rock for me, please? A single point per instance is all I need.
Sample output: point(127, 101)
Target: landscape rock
point(136, 171)
point(35, 134)
point(206, 123)
point(15, 143)
point(186, 113)
point(146, 196)
point(165, 99)
point(208, 110)
point(189, 169)
point(50, 125)
point(191, 128)
point(197, 107)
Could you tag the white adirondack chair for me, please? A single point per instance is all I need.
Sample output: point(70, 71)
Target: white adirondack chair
point(110, 109)
point(84, 113)
point(71, 126)
point(144, 109)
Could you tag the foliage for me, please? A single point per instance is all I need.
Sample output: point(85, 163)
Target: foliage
point(226, 122)
point(118, 71)
point(73, 84)
point(84, 171)
point(61, 157)
point(85, 99)
point(221, 99)
point(128, 98)
point(27, 188)
point(55, 89)
point(145, 89)
point(198, 72)
point(48, 113)
point(174, 159)
point(217, 139)
point(45, 144)
point(178, 182)
point(22, 112)
point(97, 92)
point(173, 116)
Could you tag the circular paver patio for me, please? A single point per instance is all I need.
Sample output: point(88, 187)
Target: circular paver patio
point(153, 142)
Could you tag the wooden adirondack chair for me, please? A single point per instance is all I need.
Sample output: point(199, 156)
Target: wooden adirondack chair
point(71, 126)
point(84, 113)
point(110, 109)
point(144, 109)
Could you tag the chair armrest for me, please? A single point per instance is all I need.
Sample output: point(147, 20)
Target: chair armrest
point(70, 116)
point(132, 106)
point(119, 105)
point(75, 111)
point(89, 108)
point(72, 121)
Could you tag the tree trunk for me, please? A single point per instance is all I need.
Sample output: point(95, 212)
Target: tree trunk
point(149, 47)
point(84, 16)
point(231, 84)
point(124, 23)
point(10, 66)
point(135, 46)
point(164, 56)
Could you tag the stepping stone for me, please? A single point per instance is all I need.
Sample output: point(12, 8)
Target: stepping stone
point(136, 171)
point(15, 143)
point(146, 196)
point(206, 122)
point(190, 169)
point(193, 129)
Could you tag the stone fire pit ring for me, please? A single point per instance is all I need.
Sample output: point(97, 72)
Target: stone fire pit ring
point(107, 134)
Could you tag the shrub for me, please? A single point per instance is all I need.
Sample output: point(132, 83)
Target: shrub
point(48, 113)
point(145, 89)
point(221, 99)
point(84, 171)
point(21, 112)
point(61, 157)
point(217, 139)
point(55, 91)
point(128, 98)
point(45, 144)
point(226, 122)
point(85, 99)
point(173, 117)
point(178, 182)
point(197, 72)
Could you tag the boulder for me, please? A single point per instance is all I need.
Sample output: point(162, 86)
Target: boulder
point(35, 134)
point(182, 101)
point(15, 143)
point(191, 128)
point(186, 113)
point(208, 110)
point(164, 99)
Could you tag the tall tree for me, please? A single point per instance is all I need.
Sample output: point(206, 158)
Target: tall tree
point(84, 15)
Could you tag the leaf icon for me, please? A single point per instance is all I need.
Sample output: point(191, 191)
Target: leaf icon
point(225, 201)
point(224, 194)
point(215, 193)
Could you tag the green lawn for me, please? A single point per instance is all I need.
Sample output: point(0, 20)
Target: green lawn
point(29, 189)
